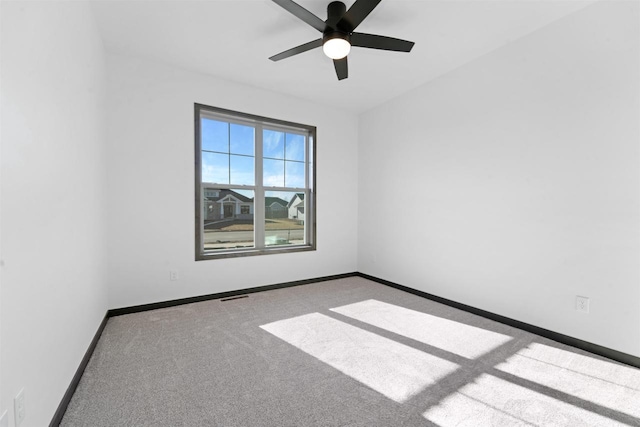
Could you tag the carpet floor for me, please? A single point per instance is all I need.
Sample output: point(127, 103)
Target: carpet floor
point(346, 352)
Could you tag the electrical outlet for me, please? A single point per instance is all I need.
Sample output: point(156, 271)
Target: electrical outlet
point(173, 275)
point(19, 409)
point(4, 420)
point(582, 304)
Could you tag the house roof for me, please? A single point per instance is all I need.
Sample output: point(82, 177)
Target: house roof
point(224, 193)
point(268, 201)
point(300, 197)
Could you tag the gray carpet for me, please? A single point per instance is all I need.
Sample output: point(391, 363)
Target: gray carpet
point(347, 352)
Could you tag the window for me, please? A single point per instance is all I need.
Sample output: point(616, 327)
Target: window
point(255, 190)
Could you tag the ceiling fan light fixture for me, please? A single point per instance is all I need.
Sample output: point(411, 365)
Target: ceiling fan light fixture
point(338, 30)
point(336, 47)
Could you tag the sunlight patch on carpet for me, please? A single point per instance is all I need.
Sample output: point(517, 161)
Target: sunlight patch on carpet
point(491, 401)
point(455, 337)
point(395, 370)
point(603, 383)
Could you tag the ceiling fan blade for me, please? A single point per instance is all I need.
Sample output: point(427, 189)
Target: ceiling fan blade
point(373, 41)
point(302, 13)
point(296, 50)
point(342, 69)
point(356, 14)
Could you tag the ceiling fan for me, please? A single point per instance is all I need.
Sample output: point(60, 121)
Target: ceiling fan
point(338, 32)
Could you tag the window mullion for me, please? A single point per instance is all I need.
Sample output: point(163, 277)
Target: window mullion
point(258, 201)
point(229, 151)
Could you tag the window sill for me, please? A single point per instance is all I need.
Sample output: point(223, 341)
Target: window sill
point(253, 252)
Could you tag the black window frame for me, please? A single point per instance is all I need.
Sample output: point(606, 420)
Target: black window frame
point(310, 189)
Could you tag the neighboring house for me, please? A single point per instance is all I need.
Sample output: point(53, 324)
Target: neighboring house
point(296, 207)
point(222, 204)
point(275, 207)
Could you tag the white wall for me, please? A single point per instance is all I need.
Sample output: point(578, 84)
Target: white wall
point(151, 185)
point(513, 183)
point(54, 292)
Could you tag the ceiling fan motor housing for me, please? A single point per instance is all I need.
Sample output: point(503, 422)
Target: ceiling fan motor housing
point(334, 34)
point(335, 12)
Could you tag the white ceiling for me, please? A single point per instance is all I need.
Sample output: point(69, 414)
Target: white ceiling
point(233, 39)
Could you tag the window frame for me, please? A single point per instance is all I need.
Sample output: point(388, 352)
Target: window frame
point(259, 123)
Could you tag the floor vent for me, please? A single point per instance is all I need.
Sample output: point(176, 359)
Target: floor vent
point(232, 298)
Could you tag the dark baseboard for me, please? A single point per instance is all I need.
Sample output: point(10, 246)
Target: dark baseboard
point(220, 295)
point(609, 353)
point(555, 336)
point(66, 399)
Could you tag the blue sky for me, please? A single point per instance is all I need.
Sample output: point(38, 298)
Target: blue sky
point(228, 155)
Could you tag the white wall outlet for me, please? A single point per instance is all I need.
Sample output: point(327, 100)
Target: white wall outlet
point(582, 304)
point(19, 409)
point(4, 419)
point(173, 275)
